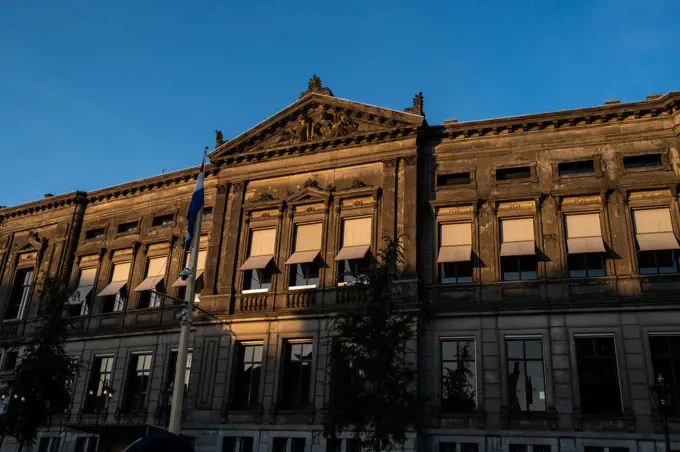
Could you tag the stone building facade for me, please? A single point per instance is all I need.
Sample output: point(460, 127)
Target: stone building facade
point(541, 251)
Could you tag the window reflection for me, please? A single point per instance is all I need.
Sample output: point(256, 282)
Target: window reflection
point(526, 382)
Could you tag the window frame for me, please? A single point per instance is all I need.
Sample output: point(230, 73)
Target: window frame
point(293, 269)
point(545, 368)
point(284, 365)
point(452, 213)
point(471, 183)
point(238, 350)
point(89, 402)
point(263, 216)
point(512, 209)
point(532, 178)
point(122, 223)
point(135, 403)
point(665, 160)
point(440, 363)
point(25, 295)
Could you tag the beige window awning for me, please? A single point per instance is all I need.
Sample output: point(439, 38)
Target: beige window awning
point(517, 237)
point(179, 282)
point(85, 286)
point(119, 279)
point(155, 272)
point(262, 246)
point(455, 242)
point(356, 238)
point(584, 233)
point(654, 230)
point(307, 244)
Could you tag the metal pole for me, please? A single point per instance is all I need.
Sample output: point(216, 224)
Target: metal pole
point(665, 432)
point(184, 333)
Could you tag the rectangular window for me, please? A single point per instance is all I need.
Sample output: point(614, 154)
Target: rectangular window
point(459, 376)
point(48, 444)
point(642, 161)
point(444, 180)
point(288, 445)
point(237, 444)
point(297, 374)
point(248, 371)
point(86, 444)
point(526, 381)
point(657, 244)
point(304, 270)
point(200, 267)
point(172, 367)
point(10, 363)
point(152, 287)
point(585, 246)
point(604, 449)
point(665, 351)
point(518, 249)
point(21, 291)
point(137, 387)
point(455, 253)
point(115, 294)
point(579, 167)
point(356, 242)
point(95, 234)
point(598, 377)
point(445, 446)
point(163, 220)
point(528, 448)
point(101, 380)
point(81, 300)
point(257, 268)
point(518, 172)
point(128, 228)
point(207, 213)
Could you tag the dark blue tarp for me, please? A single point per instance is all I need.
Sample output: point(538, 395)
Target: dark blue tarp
point(160, 440)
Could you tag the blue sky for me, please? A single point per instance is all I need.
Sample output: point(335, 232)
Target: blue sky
point(96, 93)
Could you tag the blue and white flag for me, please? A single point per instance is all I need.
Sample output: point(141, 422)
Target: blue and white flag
point(195, 206)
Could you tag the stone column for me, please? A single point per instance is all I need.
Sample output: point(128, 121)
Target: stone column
point(212, 260)
point(229, 247)
point(407, 215)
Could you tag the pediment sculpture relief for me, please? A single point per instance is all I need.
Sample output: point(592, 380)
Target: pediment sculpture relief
point(309, 129)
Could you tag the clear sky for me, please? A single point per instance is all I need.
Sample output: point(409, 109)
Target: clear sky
point(96, 93)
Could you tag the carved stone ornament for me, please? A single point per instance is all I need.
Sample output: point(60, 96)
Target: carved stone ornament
point(356, 183)
point(315, 86)
point(312, 183)
point(308, 128)
point(238, 187)
point(417, 108)
point(219, 138)
point(264, 196)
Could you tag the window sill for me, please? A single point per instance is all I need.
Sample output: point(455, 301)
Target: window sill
point(309, 287)
point(251, 291)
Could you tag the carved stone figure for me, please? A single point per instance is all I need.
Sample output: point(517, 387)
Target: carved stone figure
point(417, 108)
point(219, 138)
point(315, 86)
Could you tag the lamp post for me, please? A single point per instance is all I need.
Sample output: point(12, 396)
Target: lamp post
point(663, 398)
point(101, 402)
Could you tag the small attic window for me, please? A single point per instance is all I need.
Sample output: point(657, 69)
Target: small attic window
point(517, 172)
point(127, 228)
point(163, 220)
point(579, 167)
point(96, 233)
point(207, 213)
point(642, 161)
point(446, 180)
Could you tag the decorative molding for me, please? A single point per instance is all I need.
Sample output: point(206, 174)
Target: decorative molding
point(455, 210)
point(417, 105)
point(410, 161)
point(649, 194)
point(221, 189)
point(581, 200)
point(302, 209)
point(354, 203)
point(356, 183)
point(237, 187)
point(62, 230)
point(516, 205)
point(264, 214)
point(264, 196)
point(391, 163)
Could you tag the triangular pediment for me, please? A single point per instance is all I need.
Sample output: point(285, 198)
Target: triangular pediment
point(30, 243)
point(306, 195)
point(316, 118)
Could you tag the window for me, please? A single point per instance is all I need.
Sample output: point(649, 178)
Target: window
point(288, 445)
point(665, 351)
point(172, 367)
point(453, 179)
point(115, 295)
point(304, 270)
point(598, 375)
point(248, 369)
point(459, 376)
point(81, 300)
point(526, 382)
point(237, 444)
point(297, 374)
point(657, 244)
point(10, 363)
point(585, 246)
point(258, 272)
point(356, 241)
point(152, 286)
point(163, 220)
point(48, 444)
point(207, 213)
point(518, 250)
point(86, 444)
point(95, 234)
point(101, 380)
point(137, 382)
point(455, 253)
point(518, 172)
point(446, 446)
point(528, 448)
point(604, 449)
point(182, 283)
point(128, 228)
point(642, 161)
point(21, 290)
point(579, 167)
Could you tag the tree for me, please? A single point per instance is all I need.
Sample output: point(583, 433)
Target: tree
point(373, 384)
point(41, 384)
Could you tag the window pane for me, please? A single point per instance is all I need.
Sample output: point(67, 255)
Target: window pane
point(577, 265)
point(518, 448)
point(447, 447)
point(246, 444)
point(528, 267)
point(517, 390)
point(647, 263)
point(598, 375)
point(228, 444)
point(464, 272)
point(333, 445)
point(298, 445)
point(510, 268)
point(595, 264)
point(458, 379)
point(280, 444)
point(515, 349)
point(541, 448)
point(468, 447)
point(533, 349)
point(535, 384)
point(666, 261)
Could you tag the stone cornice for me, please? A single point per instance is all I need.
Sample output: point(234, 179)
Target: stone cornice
point(665, 105)
point(52, 202)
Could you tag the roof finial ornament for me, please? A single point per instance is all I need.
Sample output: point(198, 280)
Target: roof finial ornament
point(417, 108)
point(219, 138)
point(315, 86)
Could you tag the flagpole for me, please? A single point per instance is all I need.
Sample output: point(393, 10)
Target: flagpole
point(177, 401)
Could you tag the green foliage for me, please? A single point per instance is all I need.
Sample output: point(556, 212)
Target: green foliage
point(458, 392)
point(373, 384)
point(40, 387)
